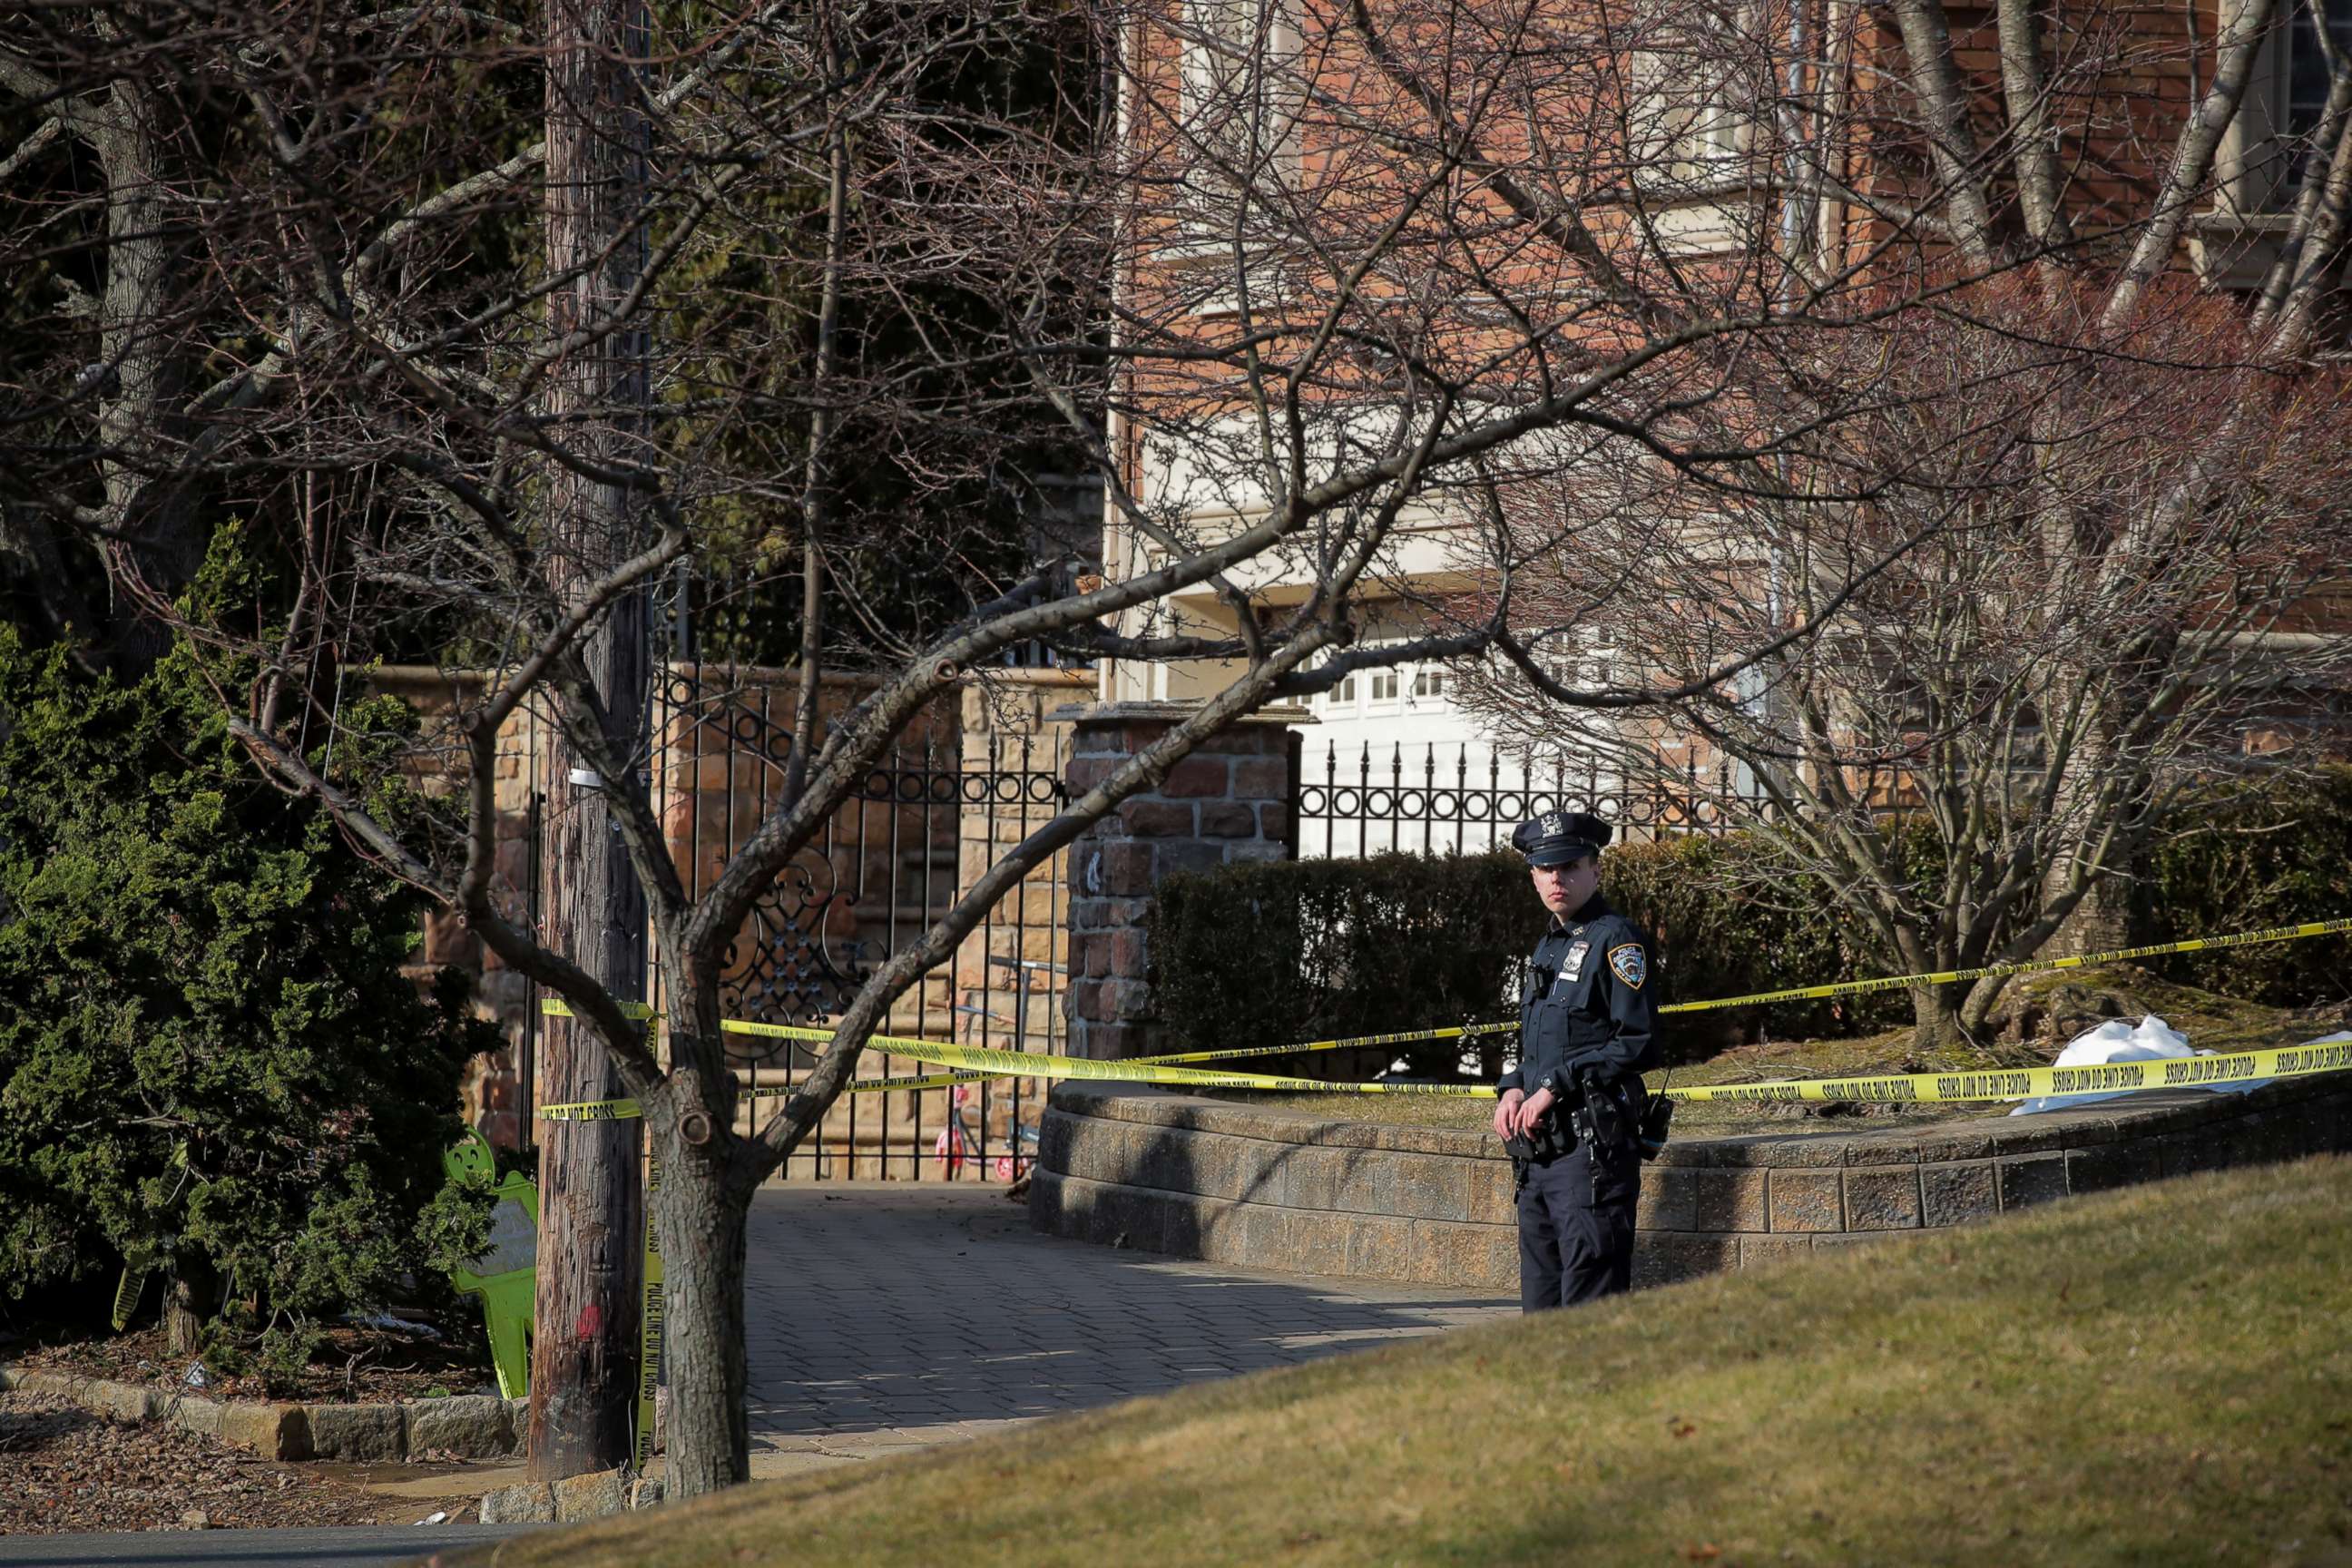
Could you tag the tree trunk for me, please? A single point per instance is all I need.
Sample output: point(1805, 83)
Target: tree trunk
point(704, 1222)
point(583, 1380)
point(186, 1297)
point(1935, 1018)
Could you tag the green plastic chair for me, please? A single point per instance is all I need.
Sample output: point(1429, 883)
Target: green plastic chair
point(508, 1274)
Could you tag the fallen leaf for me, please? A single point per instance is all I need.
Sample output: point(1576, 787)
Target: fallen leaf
point(1704, 1551)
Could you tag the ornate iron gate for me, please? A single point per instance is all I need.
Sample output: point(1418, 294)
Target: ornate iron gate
point(903, 848)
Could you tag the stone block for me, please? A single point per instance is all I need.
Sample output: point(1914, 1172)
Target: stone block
point(1188, 855)
point(1368, 1180)
point(1964, 1142)
point(1274, 822)
point(1197, 776)
point(2111, 1165)
point(2029, 1179)
point(1762, 1251)
point(1316, 1241)
point(471, 1426)
point(597, 1496)
point(1087, 999)
point(1669, 1201)
point(1310, 1178)
point(1884, 1197)
point(646, 1491)
point(1260, 778)
point(1492, 1201)
point(1666, 1257)
point(356, 1432)
point(1257, 1171)
point(1804, 1200)
point(272, 1431)
point(1243, 850)
point(1158, 818)
point(130, 1402)
point(201, 1416)
point(1125, 954)
point(1228, 819)
point(1728, 1200)
point(1379, 1247)
point(530, 1504)
point(1248, 1234)
point(1435, 1188)
point(1499, 1264)
point(1212, 1165)
point(1954, 1194)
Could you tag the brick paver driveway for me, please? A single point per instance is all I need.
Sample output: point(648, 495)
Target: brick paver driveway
point(887, 1316)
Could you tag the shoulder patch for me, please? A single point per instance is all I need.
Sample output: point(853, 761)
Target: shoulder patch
point(1630, 965)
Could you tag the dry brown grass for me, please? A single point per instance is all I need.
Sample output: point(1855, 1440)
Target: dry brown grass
point(2158, 1375)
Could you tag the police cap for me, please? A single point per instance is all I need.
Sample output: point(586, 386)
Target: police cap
point(1560, 838)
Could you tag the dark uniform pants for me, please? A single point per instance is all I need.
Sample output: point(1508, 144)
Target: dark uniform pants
point(1575, 1244)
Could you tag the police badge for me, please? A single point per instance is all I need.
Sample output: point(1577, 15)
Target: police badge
point(1630, 964)
point(1572, 967)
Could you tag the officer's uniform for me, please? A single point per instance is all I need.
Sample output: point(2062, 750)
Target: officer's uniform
point(1588, 1002)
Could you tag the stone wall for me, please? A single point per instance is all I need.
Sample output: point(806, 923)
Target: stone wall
point(1232, 1182)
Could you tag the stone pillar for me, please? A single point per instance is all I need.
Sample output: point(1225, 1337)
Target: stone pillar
point(1229, 800)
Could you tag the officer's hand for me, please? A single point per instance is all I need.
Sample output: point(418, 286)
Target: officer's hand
point(1506, 1111)
point(1532, 1110)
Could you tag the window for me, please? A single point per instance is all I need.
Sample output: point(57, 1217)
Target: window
point(1384, 684)
point(1240, 59)
point(1429, 683)
point(1691, 121)
point(2268, 142)
point(2308, 79)
point(1342, 697)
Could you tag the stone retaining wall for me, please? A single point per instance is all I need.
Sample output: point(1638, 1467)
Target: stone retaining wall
point(1130, 1165)
point(470, 1427)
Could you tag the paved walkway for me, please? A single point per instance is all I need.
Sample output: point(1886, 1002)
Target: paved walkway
point(885, 1316)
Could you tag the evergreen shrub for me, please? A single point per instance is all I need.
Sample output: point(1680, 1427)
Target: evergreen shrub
point(210, 1060)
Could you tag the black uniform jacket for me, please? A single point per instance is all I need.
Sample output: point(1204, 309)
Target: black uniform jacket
point(1591, 999)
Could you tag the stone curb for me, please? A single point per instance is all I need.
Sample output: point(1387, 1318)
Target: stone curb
point(571, 1501)
point(471, 1426)
point(1133, 1165)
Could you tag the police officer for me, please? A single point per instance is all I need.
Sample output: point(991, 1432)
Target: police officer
point(1570, 1110)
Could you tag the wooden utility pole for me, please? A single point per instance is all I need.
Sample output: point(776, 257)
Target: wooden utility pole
point(592, 1208)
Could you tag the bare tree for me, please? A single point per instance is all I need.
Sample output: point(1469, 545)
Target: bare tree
point(1321, 298)
point(2136, 579)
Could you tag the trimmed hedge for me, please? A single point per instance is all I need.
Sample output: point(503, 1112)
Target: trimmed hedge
point(1260, 953)
point(1321, 949)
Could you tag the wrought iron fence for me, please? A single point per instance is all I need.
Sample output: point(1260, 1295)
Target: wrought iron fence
point(1365, 804)
point(886, 867)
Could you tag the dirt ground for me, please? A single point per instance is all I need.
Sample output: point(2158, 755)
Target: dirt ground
point(63, 1470)
point(357, 1363)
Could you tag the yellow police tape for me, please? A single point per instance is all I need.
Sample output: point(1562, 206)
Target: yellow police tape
point(896, 1044)
point(972, 1064)
point(651, 1317)
point(1986, 1084)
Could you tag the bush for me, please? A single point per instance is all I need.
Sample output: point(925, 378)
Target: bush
point(1302, 949)
point(211, 1061)
point(2275, 853)
point(1260, 953)
point(1294, 951)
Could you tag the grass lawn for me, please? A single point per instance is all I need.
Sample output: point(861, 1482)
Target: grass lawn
point(2212, 1023)
point(2156, 1375)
